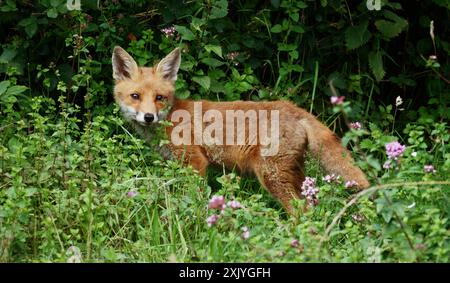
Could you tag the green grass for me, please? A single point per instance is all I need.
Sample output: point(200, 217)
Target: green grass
point(63, 187)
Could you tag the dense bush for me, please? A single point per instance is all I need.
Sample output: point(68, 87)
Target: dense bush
point(77, 183)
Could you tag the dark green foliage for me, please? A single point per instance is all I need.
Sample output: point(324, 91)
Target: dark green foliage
point(67, 161)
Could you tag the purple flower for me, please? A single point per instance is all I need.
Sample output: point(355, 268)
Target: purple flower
point(234, 204)
point(246, 233)
point(294, 243)
point(212, 220)
point(217, 202)
point(169, 31)
point(394, 149)
point(337, 100)
point(309, 190)
point(387, 165)
point(351, 184)
point(355, 125)
point(132, 194)
point(429, 169)
point(331, 178)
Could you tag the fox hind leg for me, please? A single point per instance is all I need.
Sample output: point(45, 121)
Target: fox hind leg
point(281, 178)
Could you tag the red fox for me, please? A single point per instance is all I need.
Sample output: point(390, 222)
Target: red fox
point(146, 96)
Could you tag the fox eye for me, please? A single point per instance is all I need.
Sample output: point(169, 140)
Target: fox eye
point(135, 95)
point(159, 97)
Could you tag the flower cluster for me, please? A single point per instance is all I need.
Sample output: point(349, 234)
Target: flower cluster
point(212, 220)
point(394, 149)
point(232, 55)
point(429, 169)
point(355, 125)
point(309, 190)
point(351, 184)
point(337, 100)
point(132, 194)
point(246, 233)
point(218, 202)
point(333, 178)
point(169, 31)
point(294, 243)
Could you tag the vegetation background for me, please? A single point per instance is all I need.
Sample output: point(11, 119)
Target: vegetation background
point(76, 184)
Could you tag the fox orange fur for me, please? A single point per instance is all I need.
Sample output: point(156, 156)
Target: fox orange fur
point(146, 95)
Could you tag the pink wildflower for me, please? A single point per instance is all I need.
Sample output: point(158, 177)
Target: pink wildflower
point(246, 233)
point(387, 165)
point(429, 169)
point(132, 194)
point(294, 243)
point(309, 190)
point(350, 184)
point(217, 202)
point(234, 204)
point(212, 220)
point(337, 100)
point(331, 178)
point(394, 149)
point(169, 31)
point(355, 125)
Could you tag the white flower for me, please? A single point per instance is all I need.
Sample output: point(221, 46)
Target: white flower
point(373, 5)
point(398, 101)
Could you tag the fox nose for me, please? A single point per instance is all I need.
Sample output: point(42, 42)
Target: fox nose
point(149, 117)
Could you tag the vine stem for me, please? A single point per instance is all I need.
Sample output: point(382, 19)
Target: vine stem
point(372, 189)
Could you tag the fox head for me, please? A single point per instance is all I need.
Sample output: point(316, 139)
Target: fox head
point(144, 95)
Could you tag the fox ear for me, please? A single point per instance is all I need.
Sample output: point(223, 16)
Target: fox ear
point(124, 66)
point(168, 67)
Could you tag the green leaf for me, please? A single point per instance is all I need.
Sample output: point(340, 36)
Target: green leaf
point(372, 161)
point(357, 36)
point(30, 25)
point(14, 90)
point(276, 28)
point(219, 9)
point(3, 86)
point(294, 16)
point(185, 33)
point(212, 62)
point(297, 29)
point(286, 47)
point(52, 13)
point(204, 81)
point(376, 64)
point(7, 55)
point(393, 27)
point(214, 48)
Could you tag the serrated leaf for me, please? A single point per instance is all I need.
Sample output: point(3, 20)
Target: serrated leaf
point(204, 81)
point(393, 27)
point(214, 48)
point(357, 36)
point(185, 33)
point(219, 9)
point(376, 64)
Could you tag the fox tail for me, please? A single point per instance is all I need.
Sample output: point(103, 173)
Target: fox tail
point(334, 158)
